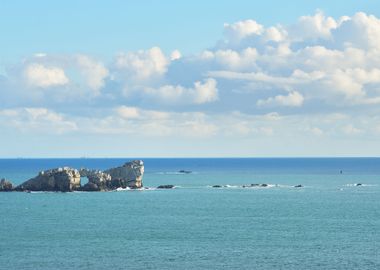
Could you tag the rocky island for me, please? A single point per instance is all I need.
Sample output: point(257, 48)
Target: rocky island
point(68, 179)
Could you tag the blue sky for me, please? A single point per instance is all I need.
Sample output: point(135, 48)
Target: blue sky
point(215, 78)
point(106, 27)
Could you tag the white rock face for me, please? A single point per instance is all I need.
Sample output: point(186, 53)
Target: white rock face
point(59, 179)
point(131, 173)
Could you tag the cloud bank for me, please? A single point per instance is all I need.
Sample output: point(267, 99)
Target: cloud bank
point(319, 76)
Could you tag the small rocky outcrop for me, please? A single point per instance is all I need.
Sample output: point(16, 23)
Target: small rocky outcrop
point(5, 185)
point(184, 171)
point(298, 186)
point(61, 179)
point(216, 186)
point(165, 187)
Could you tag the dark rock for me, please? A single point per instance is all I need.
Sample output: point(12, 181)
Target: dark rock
point(358, 184)
point(298, 186)
point(216, 186)
point(165, 186)
point(184, 171)
point(5, 185)
point(90, 187)
point(263, 185)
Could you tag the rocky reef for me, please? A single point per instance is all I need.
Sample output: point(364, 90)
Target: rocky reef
point(69, 179)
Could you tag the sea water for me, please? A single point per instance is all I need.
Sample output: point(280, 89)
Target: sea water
point(329, 223)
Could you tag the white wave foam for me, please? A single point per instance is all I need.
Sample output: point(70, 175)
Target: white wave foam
point(360, 185)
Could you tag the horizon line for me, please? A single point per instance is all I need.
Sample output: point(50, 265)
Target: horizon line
point(191, 157)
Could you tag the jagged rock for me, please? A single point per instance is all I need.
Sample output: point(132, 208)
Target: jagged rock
point(67, 179)
point(61, 179)
point(98, 180)
point(165, 186)
point(5, 185)
point(129, 175)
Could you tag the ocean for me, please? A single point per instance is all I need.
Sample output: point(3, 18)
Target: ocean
point(328, 223)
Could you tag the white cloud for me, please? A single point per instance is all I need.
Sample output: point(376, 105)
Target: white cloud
point(351, 130)
point(201, 93)
point(231, 59)
point(242, 29)
point(175, 55)
point(38, 75)
point(40, 120)
point(313, 27)
point(93, 71)
point(293, 99)
point(143, 65)
point(128, 112)
point(275, 34)
point(359, 31)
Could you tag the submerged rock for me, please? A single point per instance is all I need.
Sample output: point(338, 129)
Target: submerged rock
point(216, 186)
point(358, 184)
point(298, 186)
point(5, 185)
point(165, 186)
point(61, 179)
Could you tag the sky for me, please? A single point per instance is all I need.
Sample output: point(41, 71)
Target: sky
point(195, 79)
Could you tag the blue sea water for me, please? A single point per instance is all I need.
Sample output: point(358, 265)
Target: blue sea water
point(329, 223)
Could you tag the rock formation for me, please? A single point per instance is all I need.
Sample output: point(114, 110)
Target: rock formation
point(61, 179)
point(5, 185)
point(97, 180)
point(68, 179)
point(128, 175)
